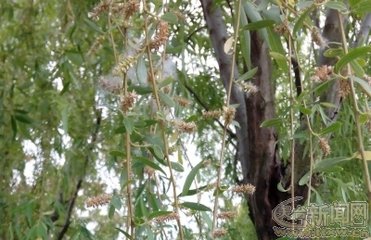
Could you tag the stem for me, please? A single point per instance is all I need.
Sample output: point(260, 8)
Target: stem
point(231, 80)
point(357, 115)
point(162, 124)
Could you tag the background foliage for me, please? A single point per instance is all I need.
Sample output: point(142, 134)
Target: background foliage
point(65, 69)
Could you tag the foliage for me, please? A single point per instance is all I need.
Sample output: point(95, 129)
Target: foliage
point(102, 127)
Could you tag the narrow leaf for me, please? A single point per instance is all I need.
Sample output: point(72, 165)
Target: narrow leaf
point(363, 84)
point(248, 74)
point(149, 163)
point(352, 55)
point(333, 127)
point(125, 233)
point(158, 214)
point(195, 206)
point(170, 18)
point(274, 122)
point(192, 174)
point(258, 25)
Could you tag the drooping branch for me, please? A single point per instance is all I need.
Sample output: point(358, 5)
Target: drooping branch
point(218, 35)
point(72, 200)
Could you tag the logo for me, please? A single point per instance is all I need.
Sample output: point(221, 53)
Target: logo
point(321, 221)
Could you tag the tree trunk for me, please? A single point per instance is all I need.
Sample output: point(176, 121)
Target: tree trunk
point(257, 149)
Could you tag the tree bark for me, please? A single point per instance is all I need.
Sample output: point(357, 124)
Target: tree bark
point(257, 147)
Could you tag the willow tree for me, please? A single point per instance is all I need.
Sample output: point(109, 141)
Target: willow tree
point(103, 102)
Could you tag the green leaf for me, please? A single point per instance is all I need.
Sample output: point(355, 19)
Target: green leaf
point(129, 124)
point(357, 68)
point(304, 110)
point(167, 99)
point(149, 163)
point(23, 118)
point(142, 72)
point(274, 122)
point(93, 25)
point(352, 55)
point(363, 84)
point(141, 90)
point(281, 188)
point(303, 17)
point(14, 126)
point(125, 233)
point(177, 167)
point(245, 40)
point(191, 176)
point(323, 165)
point(340, 6)
point(195, 206)
point(248, 75)
point(170, 18)
point(157, 214)
point(191, 192)
point(258, 25)
point(116, 202)
point(117, 153)
point(333, 52)
point(332, 128)
point(362, 7)
point(281, 61)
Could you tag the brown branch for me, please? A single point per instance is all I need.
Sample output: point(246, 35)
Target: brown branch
point(72, 201)
point(218, 35)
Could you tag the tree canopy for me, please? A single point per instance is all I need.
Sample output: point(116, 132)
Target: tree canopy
point(179, 119)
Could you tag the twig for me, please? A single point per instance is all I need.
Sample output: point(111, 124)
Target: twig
point(72, 201)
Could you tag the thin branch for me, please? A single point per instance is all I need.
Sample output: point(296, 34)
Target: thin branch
point(72, 201)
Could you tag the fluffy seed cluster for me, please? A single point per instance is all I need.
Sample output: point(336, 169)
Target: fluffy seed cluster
point(128, 100)
point(228, 114)
point(166, 218)
point(186, 127)
point(98, 200)
point(322, 73)
point(130, 8)
point(344, 88)
point(99, 8)
point(282, 28)
point(249, 87)
point(317, 37)
point(245, 188)
point(226, 215)
point(124, 64)
point(212, 114)
point(161, 36)
point(149, 171)
point(110, 83)
point(220, 232)
point(182, 101)
point(325, 147)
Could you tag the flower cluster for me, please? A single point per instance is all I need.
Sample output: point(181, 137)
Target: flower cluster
point(249, 87)
point(228, 114)
point(322, 73)
point(166, 218)
point(127, 101)
point(182, 101)
point(245, 188)
point(226, 215)
point(161, 36)
point(124, 64)
point(212, 114)
point(98, 200)
point(186, 127)
point(99, 8)
point(325, 147)
point(220, 232)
